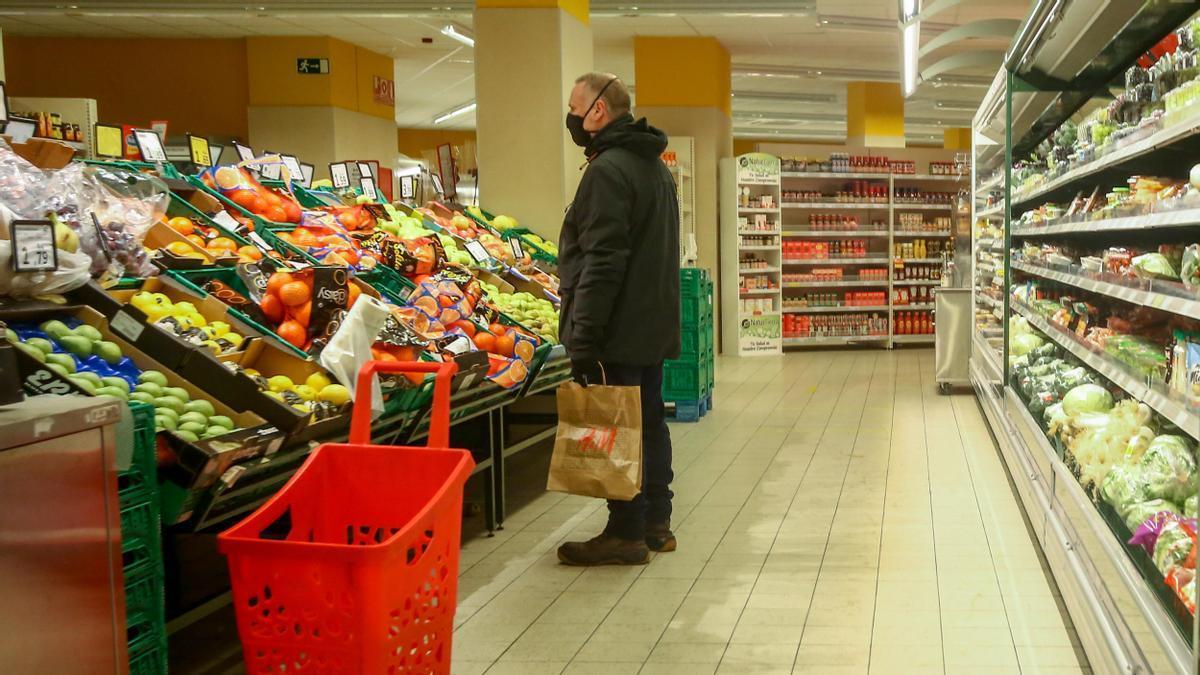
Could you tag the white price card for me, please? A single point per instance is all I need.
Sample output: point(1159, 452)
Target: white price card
point(306, 174)
point(515, 245)
point(293, 167)
point(477, 251)
point(437, 185)
point(368, 187)
point(271, 170)
point(407, 188)
point(245, 153)
point(364, 170)
point(340, 175)
point(33, 246)
point(150, 145)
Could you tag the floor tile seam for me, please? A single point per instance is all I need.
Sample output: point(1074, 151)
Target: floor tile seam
point(887, 473)
point(924, 383)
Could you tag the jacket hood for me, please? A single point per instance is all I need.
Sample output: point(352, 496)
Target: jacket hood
point(636, 136)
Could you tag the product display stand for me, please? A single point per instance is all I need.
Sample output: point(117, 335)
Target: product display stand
point(679, 159)
point(754, 322)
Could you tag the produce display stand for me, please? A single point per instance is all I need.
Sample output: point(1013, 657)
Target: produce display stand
point(1057, 305)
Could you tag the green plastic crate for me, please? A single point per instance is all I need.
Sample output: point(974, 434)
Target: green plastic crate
point(693, 282)
point(308, 199)
point(151, 659)
point(139, 516)
point(694, 313)
point(145, 596)
point(684, 381)
point(231, 206)
point(147, 638)
point(195, 280)
point(138, 555)
point(695, 341)
point(143, 472)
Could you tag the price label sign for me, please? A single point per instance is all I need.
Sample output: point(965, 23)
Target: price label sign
point(33, 247)
point(244, 152)
point(340, 175)
point(364, 170)
point(201, 151)
point(306, 174)
point(515, 244)
point(477, 251)
point(437, 185)
point(110, 141)
point(408, 189)
point(273, 170)
point(293, 167)
point(368, 187)
point(149, 145)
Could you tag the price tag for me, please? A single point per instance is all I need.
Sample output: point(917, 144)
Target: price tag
point(201, 151)
point(340, 175)
point(364, 170)
point(110, 141)
point(273, 170)
point(257, 240)
point(437, 185)
point(244, 153)
point(368, 187)
point(225, 220)
point(515, 245)
point(33, 246)
point(3, 103)
point(477, 251)
point(149, 145)
point(408, 189)
point(306, 174)
point(293, 167)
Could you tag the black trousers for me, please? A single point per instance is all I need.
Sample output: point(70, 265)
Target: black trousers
point(628, 520)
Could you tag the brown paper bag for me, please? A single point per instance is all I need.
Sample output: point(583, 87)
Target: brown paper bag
point(598, 447)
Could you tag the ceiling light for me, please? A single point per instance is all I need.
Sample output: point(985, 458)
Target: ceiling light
point(461, 110)
point(910, 37)
point(949, 105)
point(458, 33)
point(780, 96)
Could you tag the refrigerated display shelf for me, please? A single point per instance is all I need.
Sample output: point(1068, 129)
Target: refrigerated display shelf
point(1168, 303)
point(996, 211)
point(1149, 221)
point(990, 354)
point(833, 310)
point(1162, 402)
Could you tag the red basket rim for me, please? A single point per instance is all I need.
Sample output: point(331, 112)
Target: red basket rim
point(234, 540)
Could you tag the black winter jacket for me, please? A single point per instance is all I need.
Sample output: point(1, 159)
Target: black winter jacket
point(619, 252)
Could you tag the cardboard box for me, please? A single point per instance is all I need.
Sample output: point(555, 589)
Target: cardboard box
point(160, 234)
point(44, 153)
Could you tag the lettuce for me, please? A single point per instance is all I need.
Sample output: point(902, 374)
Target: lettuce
point(1169, 469)
point(1123, 488)
point(1024, 343)
point(1175, 542)
point(1087, 398)
point(1140, 512)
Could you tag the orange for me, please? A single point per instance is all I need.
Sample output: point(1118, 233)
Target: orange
point(243, 198)
point(276, 281)
point(272, 307)
point(294, 293)
point(485, 342)
point(180, 248)
point(498, 328)
point(182, 225)
point(223, 242)
point(258, 205)
point(291, 211)
point(250, 252)
point(228, 178)
point(197, 240)
point(446, 300)
point(467, 327)
point(293, 333)
point(275, 213)
point(302, 313)
point(352, 298)
point(505, 345)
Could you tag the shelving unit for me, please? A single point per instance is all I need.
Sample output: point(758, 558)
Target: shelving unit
point(752, 279)
point(1127, 617)
point(682, 151)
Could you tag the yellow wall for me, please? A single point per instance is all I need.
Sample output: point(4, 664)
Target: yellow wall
point(958, 138)
point(349, 84)
point(874, 113)
point(413, 142)
point(576, 8)
point(198, 86)
point(688, 72)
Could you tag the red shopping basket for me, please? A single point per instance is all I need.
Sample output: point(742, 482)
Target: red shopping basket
point(353, 566)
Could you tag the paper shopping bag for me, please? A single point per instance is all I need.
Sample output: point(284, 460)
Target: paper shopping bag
point(598, 447)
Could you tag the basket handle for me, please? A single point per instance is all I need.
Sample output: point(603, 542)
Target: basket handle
point(439, 416)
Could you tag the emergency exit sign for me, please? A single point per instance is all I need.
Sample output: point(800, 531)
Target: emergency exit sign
point(312, 66)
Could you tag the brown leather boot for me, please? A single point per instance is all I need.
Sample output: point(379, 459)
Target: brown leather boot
point(660, 538)
point(604, 550)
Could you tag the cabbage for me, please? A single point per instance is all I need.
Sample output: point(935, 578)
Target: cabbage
point(1169, 469)
point(1018, 325)
point(1174, 544)
point(1189, 507)
point(1024, 343)
point(1123, 488)
point(1087, 398)
point(1138, 513)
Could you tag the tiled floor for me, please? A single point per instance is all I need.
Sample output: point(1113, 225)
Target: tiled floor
point(835, 515)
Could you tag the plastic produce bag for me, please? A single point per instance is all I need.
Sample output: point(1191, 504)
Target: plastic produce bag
point(1143, 513)
point(1123, 487)
point(73, 272)
point(1189, 507)
point(350, 346)
point(1175, 545)
point(1182, 580)
point(1190, 269)
point(24, 188)
point(1154, 266)
point(1169, 469)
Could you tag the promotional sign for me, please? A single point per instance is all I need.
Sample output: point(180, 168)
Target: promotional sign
point(306, 174)
point(200, 150)
point(758, 167)
point(149, 145)
point(110, 141)
point(408, 188)
point(272, 170)
point(365, 170)
point(368, 187)
point(760, 335)
point(293, 167)
point(244, 153)
point(384, 90)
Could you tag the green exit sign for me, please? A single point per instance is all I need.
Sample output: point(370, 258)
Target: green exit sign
point(312, 66)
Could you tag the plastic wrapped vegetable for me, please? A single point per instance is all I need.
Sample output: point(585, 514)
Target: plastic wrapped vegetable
point(1087, 398)
point(1025, 343)
point(1054, 416)
point(1147, 530)
point(1182, 580)
point(1139, 513)
point(1189, 507)
point(1154, 266)
point(1123, 488)
point(1169, 469)
point(1069, 379)
point(1190, 269)
point(1138, 444)
point(1175, 543)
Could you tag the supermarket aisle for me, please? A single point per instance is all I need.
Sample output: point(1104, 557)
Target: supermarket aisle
point(835, 515)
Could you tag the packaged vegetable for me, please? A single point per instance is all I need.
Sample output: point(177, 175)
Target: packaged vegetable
point(1087, 398)
point(1189, 507)
point(1154, 266)
point(1169, 469)
point(1024, 343)
point(1175, 544)
point(1142, 512)
point(1182, 580)
point(1190, 268)
point(1123, 488)
point(1147, 530)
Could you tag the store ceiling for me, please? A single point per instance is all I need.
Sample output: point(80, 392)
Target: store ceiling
point(791, 58)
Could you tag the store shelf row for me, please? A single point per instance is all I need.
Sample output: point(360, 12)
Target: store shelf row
point(871, 206)
point(874, 176)
point(834, 234)
point(1143, 222)
point(763, 270)
point(1176, 304)
point(847, 283)
point(833, 310)
point(841, 261)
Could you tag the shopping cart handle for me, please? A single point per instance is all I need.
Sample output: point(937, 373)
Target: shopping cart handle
point(439, 416)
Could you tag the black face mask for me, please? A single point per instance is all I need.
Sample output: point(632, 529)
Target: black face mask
point(581, 136)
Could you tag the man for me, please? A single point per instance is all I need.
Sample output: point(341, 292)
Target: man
point(619, 268)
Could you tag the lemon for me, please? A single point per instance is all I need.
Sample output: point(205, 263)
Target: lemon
point(318, 381)
point(335, 394)
point(305, 392)
point(280, 383)
point(196, 318)
point(233, 339)
point(220, 327)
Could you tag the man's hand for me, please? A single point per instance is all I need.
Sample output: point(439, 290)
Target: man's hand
point(587, 371)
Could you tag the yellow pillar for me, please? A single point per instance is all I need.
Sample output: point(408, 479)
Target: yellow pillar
point(683, 88)
point(527, 56)
point(323, 117)
point(874, 114)
point(957, 138)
